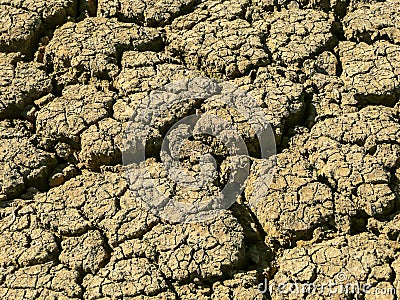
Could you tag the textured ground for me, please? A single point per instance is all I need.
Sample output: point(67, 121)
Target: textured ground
point(325, 72)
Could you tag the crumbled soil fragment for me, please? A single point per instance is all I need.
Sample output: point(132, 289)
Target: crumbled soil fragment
point(219, 48)
point(22, 165)
point(93, 47)
point(23, 22)
point(339, 261)
point(66, 117)
point(145, 12)
point(282, 99)
point(20, 84)
point(85, 252)
point(374, 21)
point(101, 144)
point(294, 203)
point(371, 72)
point(294, 35)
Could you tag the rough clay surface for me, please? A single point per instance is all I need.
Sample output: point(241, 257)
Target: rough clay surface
point(294, 35)
point(326, 75)
point(21, 83)
point(374, 21)
point(23, 22)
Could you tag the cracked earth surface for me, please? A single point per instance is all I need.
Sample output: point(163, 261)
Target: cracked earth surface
point(326, 74)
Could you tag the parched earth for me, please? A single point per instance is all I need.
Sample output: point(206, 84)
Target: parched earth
point(326, 75)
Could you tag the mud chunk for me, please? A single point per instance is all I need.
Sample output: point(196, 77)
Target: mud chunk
point(242, 286)
point(281, 99)
point(24, 21)
point(147, 71)
point(23, 242)
point(31, 246)
point(87, 200)
point(348, 152)
point(132, 221)
point(19, 29)
point(61, 174)
point(145, 12)
point(86, 252)
point(333, 95)
point(218, 47)
point(93, 46)
point(212, 10)
point(330, 97)
point(295, 35)
point(143, 72)
point(205, 251)
point(326, 63)
point(125, 278)
point(66, 117)
point(94, 200)
point(101, 144)
point(20, 84)
point(294, 203)
point(259, 7)
point(22, 165)
point(373, 21)
point(371, 71)
point(336, 262)
point(44, 100)
point(41, 281)
point(52, 13)
point(64, 150)
point(390, 228)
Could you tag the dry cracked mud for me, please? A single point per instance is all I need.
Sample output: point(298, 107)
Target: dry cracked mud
point(325, 74)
